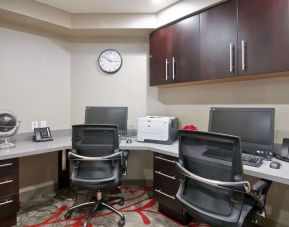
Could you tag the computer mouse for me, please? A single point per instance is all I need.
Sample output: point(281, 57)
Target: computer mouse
point(275, 165)
point(128, 141)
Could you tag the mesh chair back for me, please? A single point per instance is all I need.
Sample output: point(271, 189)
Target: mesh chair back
point(95, 141)
point(215, 157)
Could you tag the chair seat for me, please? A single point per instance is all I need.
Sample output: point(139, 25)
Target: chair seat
point(100, 184)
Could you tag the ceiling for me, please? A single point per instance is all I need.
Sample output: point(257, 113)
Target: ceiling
point(110, 6)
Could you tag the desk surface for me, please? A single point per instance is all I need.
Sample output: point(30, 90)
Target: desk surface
point(28, 148)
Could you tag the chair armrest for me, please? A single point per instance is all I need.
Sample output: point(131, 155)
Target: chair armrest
point(125, 153)
point(125, 158)
point(77, 157)
point(260, 190)
point(242, 186)
point(261, 185)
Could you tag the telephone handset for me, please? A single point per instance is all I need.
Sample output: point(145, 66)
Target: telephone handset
point(42, 134)
point(284, 156)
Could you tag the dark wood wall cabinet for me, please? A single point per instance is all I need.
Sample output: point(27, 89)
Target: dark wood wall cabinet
point(263, 36)
point(165, 187)
point(174, 52)
point(9, 191)
point(234, 39)
point(218, 28)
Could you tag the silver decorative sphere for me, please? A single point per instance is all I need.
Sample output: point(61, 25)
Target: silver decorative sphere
point(7, 122)
point(8, 128)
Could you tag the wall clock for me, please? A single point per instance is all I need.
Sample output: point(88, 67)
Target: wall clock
point(110, 61)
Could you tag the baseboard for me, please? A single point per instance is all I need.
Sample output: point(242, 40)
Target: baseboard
point(148, 183)
point(30, 192)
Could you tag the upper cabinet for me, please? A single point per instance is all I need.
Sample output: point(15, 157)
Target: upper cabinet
point(160, 55)
point(218, 49)
point(235, 38)
point(186, 50)
point(263, 35)
point(174, 53)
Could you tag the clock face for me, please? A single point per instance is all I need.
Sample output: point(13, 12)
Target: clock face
point(110, 61)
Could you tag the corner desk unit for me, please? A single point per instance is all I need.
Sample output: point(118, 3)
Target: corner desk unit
point(165, 176)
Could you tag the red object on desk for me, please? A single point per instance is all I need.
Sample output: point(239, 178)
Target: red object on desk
point(190, 127)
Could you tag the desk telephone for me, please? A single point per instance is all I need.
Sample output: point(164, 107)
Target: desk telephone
point(284, 156)
point(42, 134)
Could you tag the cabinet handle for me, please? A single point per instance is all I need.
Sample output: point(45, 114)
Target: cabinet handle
point(167, 62)
point(244, 45)
point(165, 194)
point(6, 182)
point(6, 202)
point(173, 65)
point(165, 175)
point(7, 164)
point(231, 58)
point(164, 159)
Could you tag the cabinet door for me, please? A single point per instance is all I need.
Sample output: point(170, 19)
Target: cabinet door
point(160, 52)
point(264, 31)
point(218, 33)
point(186, 50)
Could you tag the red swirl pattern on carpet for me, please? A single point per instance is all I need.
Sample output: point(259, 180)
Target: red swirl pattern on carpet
point(138, 202)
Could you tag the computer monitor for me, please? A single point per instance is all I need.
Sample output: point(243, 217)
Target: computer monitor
point(255, 126)
point(107, 115)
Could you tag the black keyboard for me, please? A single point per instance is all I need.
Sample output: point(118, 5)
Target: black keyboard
point(252, 160)
point(248, 159)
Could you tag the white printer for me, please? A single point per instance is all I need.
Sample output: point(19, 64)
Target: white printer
point(157, 129)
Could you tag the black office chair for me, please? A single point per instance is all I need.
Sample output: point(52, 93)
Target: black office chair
point(213, 190)
point(97, 165)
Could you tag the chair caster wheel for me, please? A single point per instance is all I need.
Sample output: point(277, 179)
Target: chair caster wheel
point(121, 223)
point(67, 215)
point(121, 202)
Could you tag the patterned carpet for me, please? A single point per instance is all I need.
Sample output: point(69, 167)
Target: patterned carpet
point(140, 209)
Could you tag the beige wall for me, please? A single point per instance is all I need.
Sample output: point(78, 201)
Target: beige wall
point(35, 84)
point(128, 87)
point(54, 81)
point(192, 104)
point(92, 87)
point(35, 79)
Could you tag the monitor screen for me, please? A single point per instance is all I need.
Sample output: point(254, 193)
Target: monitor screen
point(255, 126)
point(107, 115)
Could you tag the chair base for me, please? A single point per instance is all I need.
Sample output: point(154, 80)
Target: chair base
point(97, 204)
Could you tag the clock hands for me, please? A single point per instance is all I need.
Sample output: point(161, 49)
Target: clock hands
point(109, 59)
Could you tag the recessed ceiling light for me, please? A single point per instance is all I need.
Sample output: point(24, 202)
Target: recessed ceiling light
point(157, 1)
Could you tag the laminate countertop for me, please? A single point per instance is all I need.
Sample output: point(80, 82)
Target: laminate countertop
point(27, 148)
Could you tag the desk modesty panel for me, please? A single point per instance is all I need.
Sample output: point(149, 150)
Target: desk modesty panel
point(27, 148)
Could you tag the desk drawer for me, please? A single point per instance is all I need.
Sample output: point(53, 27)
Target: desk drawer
point(163, 181)
point(9, 205)
point(9, 185)
point(169, 205)
point(9, 167)
point(165, 164)
point(163, 196)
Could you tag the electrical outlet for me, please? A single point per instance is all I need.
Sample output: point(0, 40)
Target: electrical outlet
point(34, 125)
point(43, 124)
